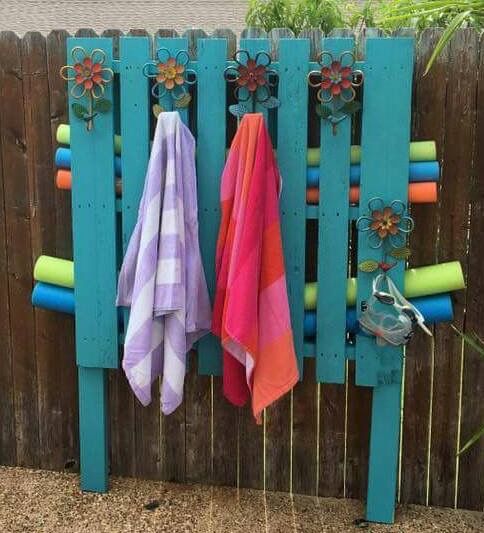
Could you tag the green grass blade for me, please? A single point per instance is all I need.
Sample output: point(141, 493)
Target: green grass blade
point(454, 24)
point(472, 340)
point(477, 435)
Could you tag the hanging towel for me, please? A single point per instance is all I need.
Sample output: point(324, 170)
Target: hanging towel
point(251, 311)
point(162, 277)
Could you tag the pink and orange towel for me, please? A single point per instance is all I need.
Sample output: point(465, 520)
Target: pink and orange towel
point(251, 310)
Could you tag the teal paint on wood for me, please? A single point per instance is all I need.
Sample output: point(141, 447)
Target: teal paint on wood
point(135, 123)
point(292, 135)
point(93, 428)
point(174, 45)
point(94, 228)
point(253, 46)
point(384, 172)
point(333, 239)
point(211, 130)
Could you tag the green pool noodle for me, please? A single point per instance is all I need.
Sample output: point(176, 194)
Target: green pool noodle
point(63, 136)
point(419, 151)
point(54, 271)
point(421, 281)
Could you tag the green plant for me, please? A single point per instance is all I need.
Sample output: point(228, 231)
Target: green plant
point(388, 15)
point(421, 14)
point(475, 342)
point(295, 14)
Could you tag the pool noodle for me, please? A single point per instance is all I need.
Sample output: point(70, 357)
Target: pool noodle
point(63, 160)
point(419, 151)
point(424, 192)
point(421, 281)
point(53, 297)
point(418, 171)
point(54, 271)
point(435, 309)
point(63, 180)
point(63, 136)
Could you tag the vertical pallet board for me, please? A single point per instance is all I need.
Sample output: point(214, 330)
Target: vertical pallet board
point(94, 215)
point(211, 133)
point(334, 170)
point(292, 135)
point(94, 228)
point(134, 109)
point(174, 45)
point(384, 173)
point(251, 437)
point(173, 428)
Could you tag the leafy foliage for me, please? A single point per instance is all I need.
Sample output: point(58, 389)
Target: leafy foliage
point(388, 15)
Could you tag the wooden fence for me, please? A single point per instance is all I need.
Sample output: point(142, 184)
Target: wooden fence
point(314, 441)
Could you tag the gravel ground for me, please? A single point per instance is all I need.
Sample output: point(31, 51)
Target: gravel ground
point(40, 501)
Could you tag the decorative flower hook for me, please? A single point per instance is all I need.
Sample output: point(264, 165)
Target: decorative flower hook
point(172, 77)
point(254, 82)
point(336, 81)
point(388, 227)
point(89, 77)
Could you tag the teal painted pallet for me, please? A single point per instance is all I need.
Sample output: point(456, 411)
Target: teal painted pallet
point(99, 241)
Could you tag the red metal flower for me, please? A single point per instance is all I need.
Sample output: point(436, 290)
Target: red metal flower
point(251, 75)
point(335, 78)
point(385, 222)
point(88, 73)
point(170, 73)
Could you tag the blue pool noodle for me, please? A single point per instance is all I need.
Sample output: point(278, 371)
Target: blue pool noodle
point(418, 171)
point(53, 297)
point(436, 308)
point(63, 160)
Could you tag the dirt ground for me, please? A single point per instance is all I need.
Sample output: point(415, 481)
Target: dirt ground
point(39, 501)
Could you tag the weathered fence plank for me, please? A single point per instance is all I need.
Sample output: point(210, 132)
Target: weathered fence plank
point(64, 325)
point(43, 222)
point(471, 464)
point(18, 214)
point(452, 245)
point(429, 123)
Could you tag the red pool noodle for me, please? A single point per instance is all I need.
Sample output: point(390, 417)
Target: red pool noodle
point(424, 192)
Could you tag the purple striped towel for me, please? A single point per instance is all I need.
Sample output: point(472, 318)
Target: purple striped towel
point(162, 276)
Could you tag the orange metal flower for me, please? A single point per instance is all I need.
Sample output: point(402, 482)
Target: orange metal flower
point(170, 73)
point(385, 222)
point(251, 75)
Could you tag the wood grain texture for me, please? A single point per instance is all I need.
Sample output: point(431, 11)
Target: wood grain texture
point(304, 432)
point(64, 328)
point(18, 215)
point(455, 196)
point(429, 120)
point(8, 451)
point(357, 436)
point(471, 465)
point(43, 237)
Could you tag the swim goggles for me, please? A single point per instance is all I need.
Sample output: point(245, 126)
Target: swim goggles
point(389, 316)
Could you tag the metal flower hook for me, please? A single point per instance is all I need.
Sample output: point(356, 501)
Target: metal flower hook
point(172, 76)
point(254, 81)
point(336, 81)
point(90, 77)
point(388, 226)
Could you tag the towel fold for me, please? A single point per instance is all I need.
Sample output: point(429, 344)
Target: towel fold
point(251, 311)
point(162, 277)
